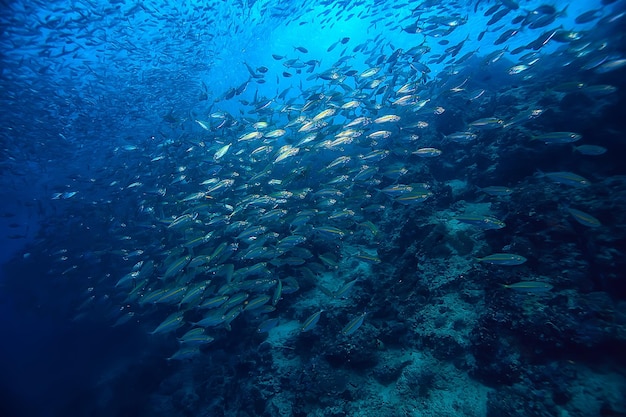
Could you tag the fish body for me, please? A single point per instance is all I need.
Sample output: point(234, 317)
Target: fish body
point(267, 325)
point(483, 222)
point(353, 325)
point(172, 296)
point(185, 353)
point(428, 152)
point(181, 221)
point(558, 137)
point(387, 118)
point(324, 114)
point(311, 321)
point(176, 266)
point(212, 319)
point(194, 293)
point(496, 190)
point(278, 292)
point(598, 90)
point(257, 302)
point(413, 197)
point(583, 218)
point(171, 323)
point(330, 231)
point(503, 259)
point(592, 150)
point(235, 299)
point(370, 72)
point(251, 136)
point(529, 286)
point(462, 137)
point(345, 289)
point(195, 337)
point(397, 189)
point(567, 178)
point(276, 133)
point(611, 65)
point(221, 152)
point(213, 302)
point(488, 123)
point(351, 104)
point(286, 152)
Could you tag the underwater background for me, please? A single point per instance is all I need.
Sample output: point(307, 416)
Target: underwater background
point(313, 208)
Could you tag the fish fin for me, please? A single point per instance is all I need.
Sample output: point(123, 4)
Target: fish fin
point(326, 291)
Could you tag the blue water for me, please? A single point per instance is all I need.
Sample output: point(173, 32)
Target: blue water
point(360, 159)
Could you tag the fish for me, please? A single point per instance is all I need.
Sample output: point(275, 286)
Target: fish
point(213, 318)
point(610, 66)
point(483, 222)
point(487, 123)
point(194, 293)
point(257, 302)
point(185, 353)
point(220, 186)
point(598, 90)
point(587, 16)
point(311, 321)
point(176, 266)
point(413, 197)
point(353, 325)
point(379, 134)
point(195, 337)
point(172, 295)
point(462, 137)
point(558, 137)
point(278, 292)
point(397, 189)
point(497, 190)
point(366, 257)
point(583, 218)
point(128, 279)
point(592, 150)
point(345, 289)
point(566, 178)
point(503, 259)
point(352, 104)
point(221, 151)
point(505, 36)
point(213, 302)
point(529, 286)
point(330, 231)
point(235, 300)
point(181, 221)
point(498, 16)
point(369, 72)
point(276, 133)
point(203, 125)
point(510, 4)
point(428, 152)
point(251, 136)
point(324, 114)
point(386, 119)
point(286, 152)
point(171, 323)
point(268, 325)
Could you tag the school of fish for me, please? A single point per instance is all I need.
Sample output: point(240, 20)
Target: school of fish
point(225, 202)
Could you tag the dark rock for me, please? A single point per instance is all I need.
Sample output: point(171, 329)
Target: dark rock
point(389, 372)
